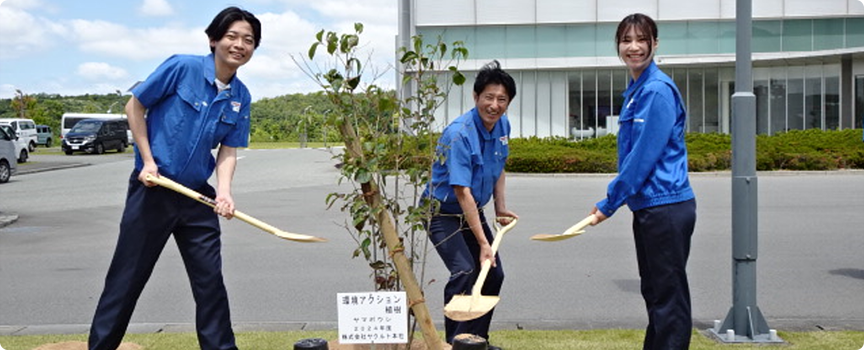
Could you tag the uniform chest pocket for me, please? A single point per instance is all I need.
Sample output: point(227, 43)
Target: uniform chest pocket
point(191, 99)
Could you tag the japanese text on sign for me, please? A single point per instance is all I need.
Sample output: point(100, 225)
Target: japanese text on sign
point(372, 318)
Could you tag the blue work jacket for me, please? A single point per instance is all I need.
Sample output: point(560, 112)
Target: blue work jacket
point(471, 156)
point(187, 117)
point(652, 154)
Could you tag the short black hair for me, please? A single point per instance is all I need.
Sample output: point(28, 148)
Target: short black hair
point(642, 23)
point(220, 24)
point(490, 74)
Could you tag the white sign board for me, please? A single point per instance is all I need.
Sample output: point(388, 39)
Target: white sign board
point(373, 318)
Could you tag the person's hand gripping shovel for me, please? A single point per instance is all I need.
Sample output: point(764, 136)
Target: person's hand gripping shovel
point(469, 307)
point(571, 232)
point(170, 184)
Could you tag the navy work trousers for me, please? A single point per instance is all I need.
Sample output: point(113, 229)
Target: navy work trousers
point(662, 236)
point(150, 217)
point(460, 252)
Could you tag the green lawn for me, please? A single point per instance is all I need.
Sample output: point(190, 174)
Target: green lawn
point(510, 340)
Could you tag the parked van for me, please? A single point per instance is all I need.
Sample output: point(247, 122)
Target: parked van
point(25, 129)
point(68, 120)
point(97, 135)
point(20, 144)
point(8, 163)
point(44, 135)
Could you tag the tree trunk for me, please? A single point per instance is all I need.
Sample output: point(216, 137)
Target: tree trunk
point(394, 245)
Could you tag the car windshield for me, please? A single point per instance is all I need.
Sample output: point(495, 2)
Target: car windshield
point(86, 126)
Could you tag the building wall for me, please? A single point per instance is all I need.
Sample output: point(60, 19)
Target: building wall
point(569, 79)
point(494, 12)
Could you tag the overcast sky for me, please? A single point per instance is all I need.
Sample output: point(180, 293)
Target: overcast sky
point(75, 47)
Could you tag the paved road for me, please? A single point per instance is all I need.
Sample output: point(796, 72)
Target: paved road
point(53, 259)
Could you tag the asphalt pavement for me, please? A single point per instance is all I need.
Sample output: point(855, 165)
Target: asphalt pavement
point(811, 270)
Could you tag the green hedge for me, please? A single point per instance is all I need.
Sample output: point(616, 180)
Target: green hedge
point(793, 150)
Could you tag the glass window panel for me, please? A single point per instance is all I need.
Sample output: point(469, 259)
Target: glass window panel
point(712, 103)
point(696, 116)
point(605, 39)
point(726, 30)
point(604, 99)
point(673, 36)
point(832, 102)
point(575, 120)
point(778, 90)
point(589, 99)
point(795, 99)
point(766, 36)
point(813, 97)
point(703, 37)
point(550, 41)
point(619, 84)
point(798, 35)
point(580, 40)
point(828, 34)
point(762, 90)
point(521, 42)
point(858, 121)
point(489, 42)
point(679, 76)
point(855, 32)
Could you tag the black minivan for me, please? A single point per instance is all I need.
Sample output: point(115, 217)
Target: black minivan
point(97, 135)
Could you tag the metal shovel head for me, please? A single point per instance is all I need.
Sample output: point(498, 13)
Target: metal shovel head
point(468, 307)
point(546, 237)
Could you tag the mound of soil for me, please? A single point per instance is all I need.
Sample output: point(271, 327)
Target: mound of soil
point(80, 345)
point(415, 345)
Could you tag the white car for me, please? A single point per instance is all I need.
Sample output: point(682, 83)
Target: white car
point(22, 153)
point(25, 129)
point(8, 165)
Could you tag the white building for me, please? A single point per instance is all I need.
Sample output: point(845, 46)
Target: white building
point(808, 59)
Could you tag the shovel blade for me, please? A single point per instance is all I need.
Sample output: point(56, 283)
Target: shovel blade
point(545, 237)
point(466, 307)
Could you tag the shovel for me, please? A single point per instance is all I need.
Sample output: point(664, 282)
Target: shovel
point(571, 232)
point(170, 184)
point(468, 307)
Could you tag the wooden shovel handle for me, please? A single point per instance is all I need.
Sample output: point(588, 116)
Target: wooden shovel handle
point(170, 184)
point(581, 224)
point(487, 264)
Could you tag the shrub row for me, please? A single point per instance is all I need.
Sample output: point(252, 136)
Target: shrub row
point(793, 150)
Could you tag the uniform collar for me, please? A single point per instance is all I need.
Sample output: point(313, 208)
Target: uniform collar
point(481, 128)
point(210, 72)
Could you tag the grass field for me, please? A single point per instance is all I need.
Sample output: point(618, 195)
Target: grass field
point(510, 340)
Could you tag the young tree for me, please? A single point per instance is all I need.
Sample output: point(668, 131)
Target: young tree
point(389, 148)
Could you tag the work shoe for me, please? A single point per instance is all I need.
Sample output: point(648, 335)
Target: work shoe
point(493, 347)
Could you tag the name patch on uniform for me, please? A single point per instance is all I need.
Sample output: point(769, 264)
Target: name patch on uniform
point(638, 120)
point(235, 106)
point(504, 140)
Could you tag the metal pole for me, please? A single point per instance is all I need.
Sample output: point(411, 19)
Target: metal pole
point(744, 322)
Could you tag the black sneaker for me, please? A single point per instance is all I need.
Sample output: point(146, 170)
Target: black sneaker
point(493, 347)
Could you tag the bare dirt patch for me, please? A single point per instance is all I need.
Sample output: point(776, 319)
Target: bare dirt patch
point(80, 345)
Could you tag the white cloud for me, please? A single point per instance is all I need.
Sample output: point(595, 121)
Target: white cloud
point(24, 34)
point(101, 37)
point(156, 8)
point(100, 71)
point(22, 4)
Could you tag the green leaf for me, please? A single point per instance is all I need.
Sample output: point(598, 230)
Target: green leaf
point(358, 27)
point(312, 50)
point(458, 78)
point(320, 35)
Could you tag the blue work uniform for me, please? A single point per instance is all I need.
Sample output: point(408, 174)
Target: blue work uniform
point(187, 116)
point(469, 155)
point(652, 180)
